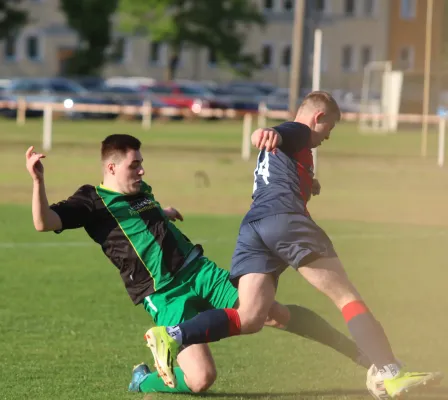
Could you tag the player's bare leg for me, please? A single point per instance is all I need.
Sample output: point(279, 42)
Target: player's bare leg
point(198, 366)
point(195, 374)
point(328, 276)
point(256, 294)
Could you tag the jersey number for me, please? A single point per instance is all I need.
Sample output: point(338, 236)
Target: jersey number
point(262, 169)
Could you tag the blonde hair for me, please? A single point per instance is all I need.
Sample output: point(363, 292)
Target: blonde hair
point(321, 100)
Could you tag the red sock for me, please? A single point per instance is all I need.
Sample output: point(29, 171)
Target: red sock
point(368, 334)
point(353, 309)
point(234, 321)
point(211, 326)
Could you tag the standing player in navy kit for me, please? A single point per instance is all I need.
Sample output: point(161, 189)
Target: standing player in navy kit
point(278, 232)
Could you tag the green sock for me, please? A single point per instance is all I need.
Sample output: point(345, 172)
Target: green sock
point(154, 383)
point(308, 324)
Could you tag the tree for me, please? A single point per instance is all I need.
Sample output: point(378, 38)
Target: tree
point(12, 17)
point(218, 25)
point(91, 19)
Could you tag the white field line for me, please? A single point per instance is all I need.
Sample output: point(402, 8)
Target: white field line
point(336, 237)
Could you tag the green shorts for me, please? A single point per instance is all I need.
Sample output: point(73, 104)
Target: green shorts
point(200, 286)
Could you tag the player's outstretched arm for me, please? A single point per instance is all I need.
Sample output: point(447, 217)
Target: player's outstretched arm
point(44, 218)
point(266, 138)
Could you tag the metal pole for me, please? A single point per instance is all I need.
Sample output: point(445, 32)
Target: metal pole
point(262, 110)
point(247, 128)
point(147, 114)
point(427, 77)
point(21, 111)
point(48, 127)
point(317, 57)
point(441, 152)
point(297, 38)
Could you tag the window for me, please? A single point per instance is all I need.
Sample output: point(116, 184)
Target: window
point(320, 5)
point(180, 58)
point(10, 48)
point(154, 52)
point(406, 58)
point(268, 5)
point(347, 58)
point(119, 50)
point(32, 47)
point(366, 55)
point(369, 7)
point(349, 8)
point(286, 56)
point(288, 5)
point(212, 57)
point(266, 55)
point(408, 9)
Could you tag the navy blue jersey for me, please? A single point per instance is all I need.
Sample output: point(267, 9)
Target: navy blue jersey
point(282, 181)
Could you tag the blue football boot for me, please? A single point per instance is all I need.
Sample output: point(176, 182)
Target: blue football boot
point(139, 373)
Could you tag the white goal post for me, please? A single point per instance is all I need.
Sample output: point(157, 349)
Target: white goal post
point(380, 97)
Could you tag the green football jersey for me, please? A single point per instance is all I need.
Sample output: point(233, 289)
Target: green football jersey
point(133, 232)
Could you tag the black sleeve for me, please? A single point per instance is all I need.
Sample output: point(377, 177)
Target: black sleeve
point(295, 137)
point(76, 211)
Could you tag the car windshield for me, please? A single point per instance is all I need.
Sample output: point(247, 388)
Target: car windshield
point(36, 85)
point(66, 87)
point(159, 90)
point(194, 91)
point(25, 85)
point(119, 89)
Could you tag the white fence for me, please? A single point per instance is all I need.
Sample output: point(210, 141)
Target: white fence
point(147, 111)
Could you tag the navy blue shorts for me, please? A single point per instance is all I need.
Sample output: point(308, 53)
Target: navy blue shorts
point(271, 244)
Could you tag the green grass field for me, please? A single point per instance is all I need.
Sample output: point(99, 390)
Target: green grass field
point(69, 331)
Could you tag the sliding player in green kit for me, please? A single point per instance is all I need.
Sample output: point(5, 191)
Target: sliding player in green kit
point(159, 265)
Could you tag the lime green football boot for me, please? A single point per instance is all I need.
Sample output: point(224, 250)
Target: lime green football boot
point(405, 382)
point(164, 349)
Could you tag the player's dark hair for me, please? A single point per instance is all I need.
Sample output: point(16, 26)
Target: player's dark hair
point(118, 144)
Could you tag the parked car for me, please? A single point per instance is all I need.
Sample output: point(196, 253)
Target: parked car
point(90, 82)
point(240, 97)
point(4, 83)
point(127, 96)
point(278, 100)
point(136, 82)
point(53, 90)
point(263, 87)
point(191, 96)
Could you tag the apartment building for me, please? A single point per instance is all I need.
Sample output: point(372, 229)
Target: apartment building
point(355, 32)
point(407, 48)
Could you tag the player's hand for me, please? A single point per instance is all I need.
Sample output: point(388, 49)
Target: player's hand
point(172, 214)
point(315, 187)
point(267, 139)
point(34, 165)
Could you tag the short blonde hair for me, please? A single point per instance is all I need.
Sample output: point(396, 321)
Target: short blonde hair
point(321, 100)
